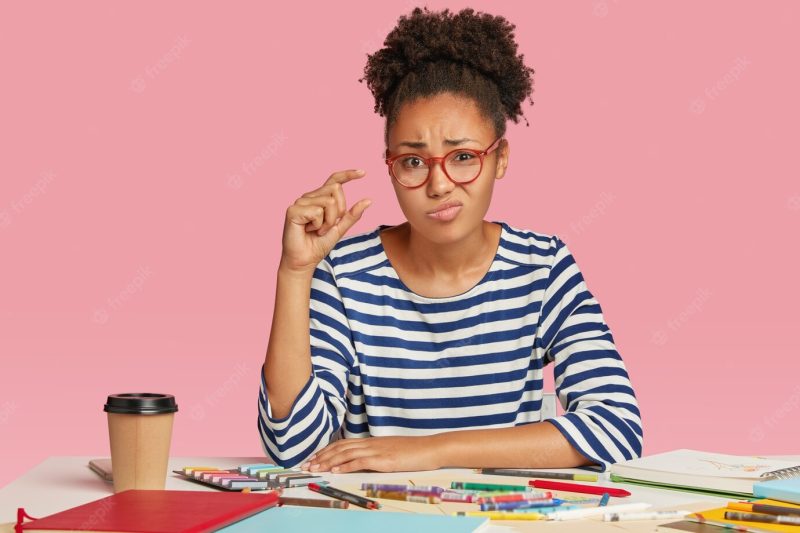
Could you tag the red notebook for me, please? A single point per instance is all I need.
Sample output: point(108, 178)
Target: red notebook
point(155, 511)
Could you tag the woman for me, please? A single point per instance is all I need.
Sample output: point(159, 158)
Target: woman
point(430, 337)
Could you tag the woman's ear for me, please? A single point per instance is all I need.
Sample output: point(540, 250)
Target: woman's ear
point(502, 159)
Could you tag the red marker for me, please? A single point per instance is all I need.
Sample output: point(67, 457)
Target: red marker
point(577, 487)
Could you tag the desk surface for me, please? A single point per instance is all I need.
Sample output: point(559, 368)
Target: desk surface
point(59, 483)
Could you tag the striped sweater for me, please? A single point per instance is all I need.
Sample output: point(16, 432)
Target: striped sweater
point(387, 361)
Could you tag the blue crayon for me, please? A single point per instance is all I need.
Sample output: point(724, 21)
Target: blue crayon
point(521, 504)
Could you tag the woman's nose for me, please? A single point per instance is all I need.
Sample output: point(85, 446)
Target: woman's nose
point(438, 182)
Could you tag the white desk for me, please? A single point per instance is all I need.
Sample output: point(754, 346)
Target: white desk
point(59, 483)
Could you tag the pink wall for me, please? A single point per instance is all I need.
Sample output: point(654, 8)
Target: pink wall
point(149, 154)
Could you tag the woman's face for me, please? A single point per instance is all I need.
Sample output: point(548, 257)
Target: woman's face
point(428, 127)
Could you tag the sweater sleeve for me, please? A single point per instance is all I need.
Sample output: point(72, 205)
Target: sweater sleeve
point(319, 408)
point(601, 419)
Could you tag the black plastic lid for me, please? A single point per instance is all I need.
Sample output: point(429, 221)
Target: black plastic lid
point(141, 403)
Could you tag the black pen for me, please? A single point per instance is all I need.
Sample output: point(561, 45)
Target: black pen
point(355, 499)
point(537, 474)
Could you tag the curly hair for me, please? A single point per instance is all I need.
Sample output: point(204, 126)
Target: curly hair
point(465, 53)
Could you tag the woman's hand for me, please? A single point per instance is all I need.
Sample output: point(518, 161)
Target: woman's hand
point(381, 454)
point(316, 221)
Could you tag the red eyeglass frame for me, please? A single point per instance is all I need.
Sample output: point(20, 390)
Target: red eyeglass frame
point(430, 161)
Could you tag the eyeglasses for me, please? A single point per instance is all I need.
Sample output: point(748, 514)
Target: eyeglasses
point(461, 166)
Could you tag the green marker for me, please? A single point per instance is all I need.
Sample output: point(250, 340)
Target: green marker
point(489, 487)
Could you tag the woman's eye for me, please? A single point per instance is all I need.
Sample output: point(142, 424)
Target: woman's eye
point(412, 162)
point(464, 156)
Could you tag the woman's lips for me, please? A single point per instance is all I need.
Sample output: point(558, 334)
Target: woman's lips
point(447, 214)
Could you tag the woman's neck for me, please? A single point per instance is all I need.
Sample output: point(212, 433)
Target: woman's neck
point(454, 259)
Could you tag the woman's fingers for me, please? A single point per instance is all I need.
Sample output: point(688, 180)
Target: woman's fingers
point(335, 190)
point(343, 176)
point(332, 189)
point(362, 463)
point(308, 215)
point(340, 457)
point(331, 450)
point(323, 211)
point(331, 211)
point(352, 216)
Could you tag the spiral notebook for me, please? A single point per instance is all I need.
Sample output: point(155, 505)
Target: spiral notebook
point(703, 471)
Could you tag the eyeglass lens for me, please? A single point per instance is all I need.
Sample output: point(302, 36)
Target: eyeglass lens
point(460, 165)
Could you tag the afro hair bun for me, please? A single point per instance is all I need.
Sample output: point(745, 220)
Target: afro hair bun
point(479, 41)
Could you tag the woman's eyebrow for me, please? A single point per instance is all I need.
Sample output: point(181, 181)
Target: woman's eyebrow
point(448, 142)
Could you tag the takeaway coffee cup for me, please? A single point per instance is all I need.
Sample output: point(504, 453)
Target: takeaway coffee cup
point(140, 430)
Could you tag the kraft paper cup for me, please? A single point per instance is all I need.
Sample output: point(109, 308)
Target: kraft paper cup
point(139, 431)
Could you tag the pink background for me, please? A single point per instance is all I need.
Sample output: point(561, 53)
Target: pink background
point(149, 154)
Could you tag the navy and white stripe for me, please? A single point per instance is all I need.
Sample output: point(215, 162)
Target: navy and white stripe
point(387, 361)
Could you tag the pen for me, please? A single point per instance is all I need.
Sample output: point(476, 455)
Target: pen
point(604, 499)
point(653, 515)
point(494, 515)
point(355, 499)
point(762, 508)
point(595, 511)
point(537, 473)
point(577, 487)
point(763, 518)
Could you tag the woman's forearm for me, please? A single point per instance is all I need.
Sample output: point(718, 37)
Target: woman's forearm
point(537, 445)
point(287, 365)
